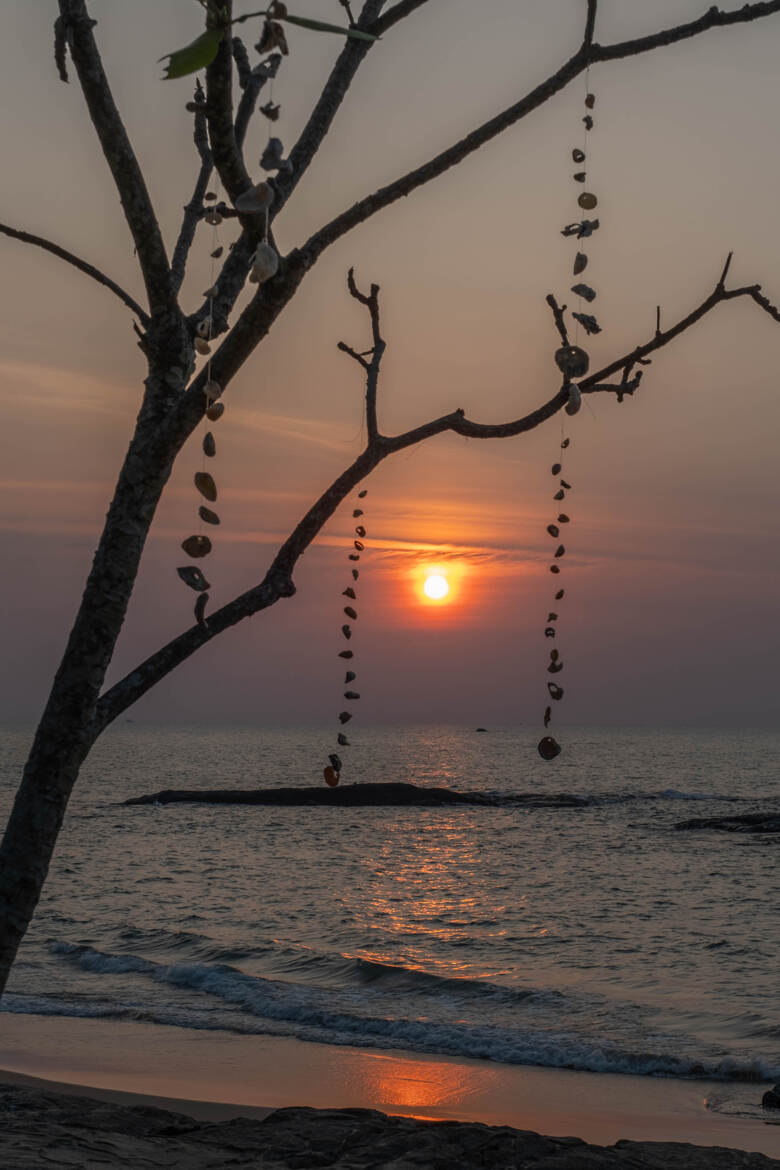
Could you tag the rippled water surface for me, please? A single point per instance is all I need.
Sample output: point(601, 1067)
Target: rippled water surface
point(592, 937)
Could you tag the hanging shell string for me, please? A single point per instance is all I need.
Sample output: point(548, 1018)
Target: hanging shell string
point(199, 545)
point(332, 771)
point(573, 362)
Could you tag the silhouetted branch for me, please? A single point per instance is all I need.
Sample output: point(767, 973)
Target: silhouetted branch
point(557, 312)
point(77, 262)
point(192, 211)
point(371, 301)
point(60, 48)
point(119, 154)
point(712, 18)
point(590, 22)
point(219, 112)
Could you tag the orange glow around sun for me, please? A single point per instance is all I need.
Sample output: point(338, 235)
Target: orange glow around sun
point(437, 585)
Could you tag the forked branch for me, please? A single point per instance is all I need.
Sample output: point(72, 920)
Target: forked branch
point(371, 301)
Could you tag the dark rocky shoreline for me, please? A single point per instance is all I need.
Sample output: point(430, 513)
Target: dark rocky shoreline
point(40, 1128)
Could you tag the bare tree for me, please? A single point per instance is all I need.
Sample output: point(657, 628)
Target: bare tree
point(173, 403)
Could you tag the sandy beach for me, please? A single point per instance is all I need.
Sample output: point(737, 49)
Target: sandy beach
point(215, 1077)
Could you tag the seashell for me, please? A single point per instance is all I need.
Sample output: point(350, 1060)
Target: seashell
point(547, 716)
point(357, 512)
point(587, 201)
point(559, 495)
point(349, 592)
point(204, 328)
point(331, 776)
point(590, 101)
point(196, 546)
point(213, 217)
point(354, 557)
point(255, 200)
point(347, 631)
point(552, 617)
point(549, 632)
point(554, 655)
point(206, 486)
point(212, 390)
point(578, 155)
point(584, 291)
point(350, 612)
point(555, 668)
point(588, 322)
point(345, 716)
point(272, 37)
point(215, 255)
point(362, 495)
point(588, 122)
point(209, 446)
point(351, 695)
point(566, 485)
point(201, 345)
point(355, 574)
point(580, 263)
point(560, 550)
point(553, 530)
point(272, 154)
point(359, 545)
point(200, 608)
point(346, 654)
point(554, 569)
point(572, 361)
point(335, 761)
point(579, 176)
point(563, 518)
point(575, 399)
point(207, 515)
point(556, 469)
point(211, 292)
point(556, 692)
point(360, 530)
point(265, 264)
point(192, 576)
point(342, 740)
point(214, 411)
point(270, 111)
point(559, 594)
point(349, 677)
point(209, 196)
point(565, 444)
point(548, 748)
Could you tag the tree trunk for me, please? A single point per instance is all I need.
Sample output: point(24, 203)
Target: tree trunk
point(67, 731)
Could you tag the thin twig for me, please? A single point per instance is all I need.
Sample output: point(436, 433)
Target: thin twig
point(371, 302)
point(590, 22)
point(192, 211)
point(82, 265)
point(557, 312)
point(712, 18)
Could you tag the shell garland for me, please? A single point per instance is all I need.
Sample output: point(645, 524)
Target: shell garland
point(332, 772)
point(573, 362)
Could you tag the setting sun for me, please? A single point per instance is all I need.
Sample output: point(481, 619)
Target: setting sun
point(436, 587)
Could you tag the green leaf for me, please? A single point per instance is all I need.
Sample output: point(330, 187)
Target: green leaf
point(320, 26)
point(195, 56)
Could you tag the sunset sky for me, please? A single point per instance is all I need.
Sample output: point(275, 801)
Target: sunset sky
point(672, 571)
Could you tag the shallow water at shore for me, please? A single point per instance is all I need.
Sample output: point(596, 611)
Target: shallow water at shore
point(593, 937)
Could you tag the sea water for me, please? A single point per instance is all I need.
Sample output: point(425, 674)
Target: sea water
point(589, 934)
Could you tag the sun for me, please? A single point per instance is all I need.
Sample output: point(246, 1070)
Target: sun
point(436, 587)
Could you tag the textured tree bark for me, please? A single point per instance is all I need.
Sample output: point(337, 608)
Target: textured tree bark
point(67, 728)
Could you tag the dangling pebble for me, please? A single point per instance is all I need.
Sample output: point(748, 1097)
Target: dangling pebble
point(584, 291)
point(196, 546)
point(347, 632)
point(549, 748)
point(580, 263)
point(192, 576)
point(207, 516)
point(345, 716)
point(256, 199)
point(572, 361)
point(553, 530)
point(215, 411)
point(206, 486)
point(350, 612)
point(575, 399)
point(587, 201)
point(578, 155)
point(200, 608)
point(349, 592)
point(201, 345)
point(265, 264)
point(556, 692)
point(331, 776)
point(209, 446)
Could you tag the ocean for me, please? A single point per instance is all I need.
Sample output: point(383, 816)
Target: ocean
point(586, 935)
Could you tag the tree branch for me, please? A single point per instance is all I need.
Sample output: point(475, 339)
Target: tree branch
point(278, 582)
point(119, 155)
point(82, 265)
point(587, 55)
point(192, 211)
point(372, 368)
point(590, 22)
point(219, 112)
point(321, 118)
point(713, 18)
